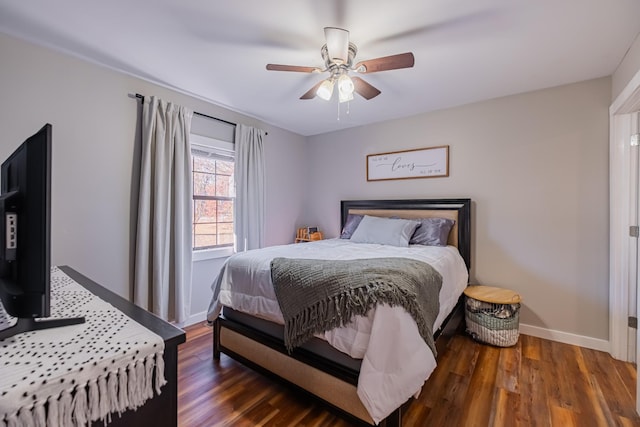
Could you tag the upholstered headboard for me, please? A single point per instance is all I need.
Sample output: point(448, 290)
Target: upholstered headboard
point(456, 209)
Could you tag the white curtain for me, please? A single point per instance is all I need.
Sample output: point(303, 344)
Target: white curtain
point(250, 188)
point(164, 240)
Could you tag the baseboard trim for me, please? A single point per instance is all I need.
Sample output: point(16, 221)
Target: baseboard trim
point(566, 337)
point(193, 319)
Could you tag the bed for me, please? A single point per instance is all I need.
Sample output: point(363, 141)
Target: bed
point(370, 367)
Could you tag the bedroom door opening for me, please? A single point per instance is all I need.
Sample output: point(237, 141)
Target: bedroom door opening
point(624, 210)
point(624, 216)
point(634, 217)
point(634, 297)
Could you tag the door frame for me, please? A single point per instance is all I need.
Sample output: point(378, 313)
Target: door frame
point(620, 175)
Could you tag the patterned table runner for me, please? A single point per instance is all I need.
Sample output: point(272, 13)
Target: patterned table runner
point(73, 375)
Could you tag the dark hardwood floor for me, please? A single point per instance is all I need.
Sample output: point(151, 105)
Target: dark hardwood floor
point(535, 383)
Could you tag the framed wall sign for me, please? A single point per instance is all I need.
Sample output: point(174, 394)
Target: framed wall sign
point(408, 164)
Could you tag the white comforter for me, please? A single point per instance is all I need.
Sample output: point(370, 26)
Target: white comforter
point(395, 359)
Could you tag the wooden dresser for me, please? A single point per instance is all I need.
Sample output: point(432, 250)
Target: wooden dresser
point(161, 410)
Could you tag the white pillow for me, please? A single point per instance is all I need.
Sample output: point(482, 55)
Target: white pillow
point(384, 231)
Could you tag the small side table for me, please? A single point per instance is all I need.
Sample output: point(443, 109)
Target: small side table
point(304, 234)
point(492, 315)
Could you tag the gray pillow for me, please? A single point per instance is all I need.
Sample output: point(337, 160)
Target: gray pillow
point(432, 232)
point(350, 225)
point(384, 231)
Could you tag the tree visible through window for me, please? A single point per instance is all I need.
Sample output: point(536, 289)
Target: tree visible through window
point(213, 200)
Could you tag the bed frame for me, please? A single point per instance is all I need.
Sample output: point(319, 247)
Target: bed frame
point(332, 383)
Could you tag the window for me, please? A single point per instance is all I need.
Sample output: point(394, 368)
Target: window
point(213, 193)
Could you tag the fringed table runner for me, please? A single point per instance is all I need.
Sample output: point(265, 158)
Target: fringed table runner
point(72, 375)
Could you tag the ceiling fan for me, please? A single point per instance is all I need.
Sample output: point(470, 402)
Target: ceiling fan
point(338, 55)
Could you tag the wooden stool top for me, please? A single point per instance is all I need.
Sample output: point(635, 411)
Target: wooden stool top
point(492, 295)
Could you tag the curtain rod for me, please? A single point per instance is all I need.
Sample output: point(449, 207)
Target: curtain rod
point(195, 112)
point(141, 97)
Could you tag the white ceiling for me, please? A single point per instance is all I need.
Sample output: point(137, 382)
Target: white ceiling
point(465, 50)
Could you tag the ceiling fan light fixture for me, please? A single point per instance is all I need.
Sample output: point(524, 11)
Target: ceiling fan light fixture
point(344, 96)
point(337, 43)
point(325, 90)
point(345, 84)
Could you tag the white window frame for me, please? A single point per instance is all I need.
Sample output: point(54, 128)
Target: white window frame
point(204, 143)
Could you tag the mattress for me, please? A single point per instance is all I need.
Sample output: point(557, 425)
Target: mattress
point(395, 360)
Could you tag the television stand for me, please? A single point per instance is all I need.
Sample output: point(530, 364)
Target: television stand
point(31, 324)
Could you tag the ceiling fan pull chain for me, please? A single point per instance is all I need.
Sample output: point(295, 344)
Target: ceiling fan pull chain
point(338, 112)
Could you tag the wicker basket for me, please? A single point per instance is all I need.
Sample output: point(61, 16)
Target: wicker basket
point(491, 322)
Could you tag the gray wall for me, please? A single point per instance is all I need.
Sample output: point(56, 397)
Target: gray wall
point(95, 130)
point(535, 166)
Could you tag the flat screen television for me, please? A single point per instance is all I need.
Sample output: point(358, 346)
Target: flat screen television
point(25, 236)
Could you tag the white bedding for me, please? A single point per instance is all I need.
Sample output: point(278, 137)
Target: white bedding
point(395, 359)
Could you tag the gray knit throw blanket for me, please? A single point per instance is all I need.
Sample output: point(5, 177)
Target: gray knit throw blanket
point(319, 295)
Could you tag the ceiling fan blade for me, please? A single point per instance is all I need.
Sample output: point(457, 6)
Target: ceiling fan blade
point(311, 93)
point(337, 43)
point(393, 62)
point(296, 68)
point(364, 89)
